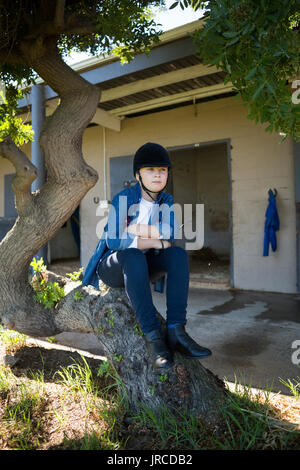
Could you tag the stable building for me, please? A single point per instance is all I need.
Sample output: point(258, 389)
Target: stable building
point(221, 160)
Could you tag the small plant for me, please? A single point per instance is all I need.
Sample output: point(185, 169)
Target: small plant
point(117, 358)
point(138, 330)
point(52, 339)
point(39, 278)
point(38, 266)
point(11, 339)
point(78, 296)
point(110, 318)
point(98, 329)
point(78, 377)
point(50, 294)
point(105, 370)
point(7, 379)
point(293, 385)
point(18, 417)
point(163, 378)
point(75, 275)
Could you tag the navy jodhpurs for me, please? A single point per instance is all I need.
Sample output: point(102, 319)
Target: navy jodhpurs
point(133, 269)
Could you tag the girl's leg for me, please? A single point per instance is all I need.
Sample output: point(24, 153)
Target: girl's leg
point(129, 268)
point(174, 261)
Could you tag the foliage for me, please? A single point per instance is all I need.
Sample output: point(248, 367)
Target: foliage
point(49, 293)
point(10, 124)
point(38, 265)
point(93, 26)
point(74, 276)
point(293, 385)
point(257, 45)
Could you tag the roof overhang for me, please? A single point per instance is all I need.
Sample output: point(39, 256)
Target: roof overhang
point(172, 74)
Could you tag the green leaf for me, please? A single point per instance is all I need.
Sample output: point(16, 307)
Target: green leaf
point(258, 91)
point(173, 5)
point(251, 73)
point(230, 34)
point(271, 89)
point(230, 43)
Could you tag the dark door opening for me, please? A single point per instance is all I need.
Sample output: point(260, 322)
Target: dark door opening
point(200, 175)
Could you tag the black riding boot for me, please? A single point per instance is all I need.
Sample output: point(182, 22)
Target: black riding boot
point(160, 354)
point(179, 340)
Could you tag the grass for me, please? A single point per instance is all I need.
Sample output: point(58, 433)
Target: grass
point(59, 400)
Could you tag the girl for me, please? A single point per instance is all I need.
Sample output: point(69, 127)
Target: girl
point(136, 248)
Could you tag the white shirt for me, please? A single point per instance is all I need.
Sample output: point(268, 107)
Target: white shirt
point(145, 210)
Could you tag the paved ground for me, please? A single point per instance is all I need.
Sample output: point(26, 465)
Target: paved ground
point(251, 334)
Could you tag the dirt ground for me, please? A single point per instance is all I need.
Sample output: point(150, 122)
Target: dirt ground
point(63, 419)
point(61, 415)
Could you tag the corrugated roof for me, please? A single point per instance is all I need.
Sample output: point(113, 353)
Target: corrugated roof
point(195, 83)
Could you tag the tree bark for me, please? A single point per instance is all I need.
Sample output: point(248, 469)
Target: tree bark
point(186, 387)
point(40, 214)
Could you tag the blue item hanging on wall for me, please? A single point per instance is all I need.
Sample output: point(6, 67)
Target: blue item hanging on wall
point(271, 224)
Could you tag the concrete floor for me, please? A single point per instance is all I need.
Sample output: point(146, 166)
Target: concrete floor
point(251, 334)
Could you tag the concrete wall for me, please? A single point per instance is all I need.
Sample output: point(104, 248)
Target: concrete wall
point(258, 162)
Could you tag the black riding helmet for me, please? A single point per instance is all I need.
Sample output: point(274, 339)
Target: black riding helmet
point(150, 154)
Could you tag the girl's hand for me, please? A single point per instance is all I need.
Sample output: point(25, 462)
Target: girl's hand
point(143, 230)
point(166, 244)
point(158, 244)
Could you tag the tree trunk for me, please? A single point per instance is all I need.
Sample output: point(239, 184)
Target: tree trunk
point(40, 214)
point(186, 386)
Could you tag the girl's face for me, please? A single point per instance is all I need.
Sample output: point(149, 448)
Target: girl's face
point(154, 177)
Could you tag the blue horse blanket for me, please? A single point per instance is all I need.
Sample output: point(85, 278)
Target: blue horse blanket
point(271, 225)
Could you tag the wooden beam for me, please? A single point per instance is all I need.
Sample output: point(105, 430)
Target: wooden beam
point(101, 117)
point(173, 99)
point(105, 119)
point(187, 73)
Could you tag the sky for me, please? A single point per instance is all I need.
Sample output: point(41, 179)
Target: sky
point(168, 19)
point(172, 18)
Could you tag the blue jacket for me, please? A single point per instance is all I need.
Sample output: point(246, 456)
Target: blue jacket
point(271, 225)
point(123, 212)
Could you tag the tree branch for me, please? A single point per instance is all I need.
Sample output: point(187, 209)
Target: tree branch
point(26, 172)
point(59, 14)
point(67, 25)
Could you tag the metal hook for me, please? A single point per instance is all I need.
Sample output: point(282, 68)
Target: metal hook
point(274, 192)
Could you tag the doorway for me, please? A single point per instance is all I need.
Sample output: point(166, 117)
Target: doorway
point(201, 175)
